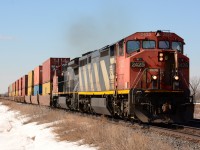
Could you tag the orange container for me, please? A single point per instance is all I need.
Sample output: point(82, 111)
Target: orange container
point(17, 85)
point(25, 82)
point(38, 75)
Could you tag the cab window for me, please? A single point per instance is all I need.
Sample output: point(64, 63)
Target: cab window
point(132, 46)
point(148, 44)
point(163, 44)
point(112, 51)
point(177, 46)
point(120, 49)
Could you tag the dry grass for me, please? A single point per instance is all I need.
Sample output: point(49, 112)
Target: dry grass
point(105, 135)
point(97, 132)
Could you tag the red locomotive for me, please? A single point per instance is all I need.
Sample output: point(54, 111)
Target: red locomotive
point(156, 71)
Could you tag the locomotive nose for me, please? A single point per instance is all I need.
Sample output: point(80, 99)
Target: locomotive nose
point(169, 69)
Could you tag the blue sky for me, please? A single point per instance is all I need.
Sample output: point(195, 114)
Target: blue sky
point(31, 31)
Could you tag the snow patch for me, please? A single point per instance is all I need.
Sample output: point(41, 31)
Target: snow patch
point(17, 136)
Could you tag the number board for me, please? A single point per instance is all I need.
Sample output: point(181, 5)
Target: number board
point(138, 64)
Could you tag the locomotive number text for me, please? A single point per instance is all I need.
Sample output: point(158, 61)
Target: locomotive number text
point(138, 64)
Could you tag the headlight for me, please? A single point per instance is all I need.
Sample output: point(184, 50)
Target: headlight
point(154, 77)
point(161, 58)
point(176, 77)
point(161, 54)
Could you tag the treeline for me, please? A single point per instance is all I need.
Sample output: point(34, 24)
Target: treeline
point(4, 95)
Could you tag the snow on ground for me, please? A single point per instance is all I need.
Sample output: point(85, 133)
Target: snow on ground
point(14, 135)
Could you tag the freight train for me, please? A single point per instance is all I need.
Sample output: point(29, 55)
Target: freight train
point(144, 76)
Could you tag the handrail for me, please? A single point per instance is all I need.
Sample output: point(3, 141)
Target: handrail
point(187, 84)
point(136, 77)
point(139, 77)
point(194, 93)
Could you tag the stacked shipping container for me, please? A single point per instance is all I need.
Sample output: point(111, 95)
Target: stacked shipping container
point(57, 84)
point(49, 67)
point(17, 88)
point(24, 85)
point(13, 89)
point(30, 82)
point(38, 80)
point(20, 87)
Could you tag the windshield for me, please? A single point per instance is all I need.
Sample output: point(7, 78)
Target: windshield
point(148, 44)
point(164, 44)
point(132, 46)
point(177, 46)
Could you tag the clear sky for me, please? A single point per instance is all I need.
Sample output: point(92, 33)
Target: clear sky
point(31, 31)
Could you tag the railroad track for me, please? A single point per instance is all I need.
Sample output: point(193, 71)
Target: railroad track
point(186, 132)
point(179, 131)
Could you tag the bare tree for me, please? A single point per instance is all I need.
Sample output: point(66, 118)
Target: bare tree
point(195, 87)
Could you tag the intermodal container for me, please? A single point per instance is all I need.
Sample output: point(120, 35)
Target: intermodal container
point(31, 79)
point(24, 91)
point(20, 93)
point(58, 84)
point(20, 86)
point(37, 90)
point(17, 85)
point(55, 84)
point(13, 87)
point(46, 88)
point(25, 82)
point(17, 93)
point(30, 91)
point(49, 67)
point(38, 75)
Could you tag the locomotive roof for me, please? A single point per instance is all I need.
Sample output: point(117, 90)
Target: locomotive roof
point(75, 58)
point(134, 34)
point(165, 33)
point(168, 32)
point(87, 53)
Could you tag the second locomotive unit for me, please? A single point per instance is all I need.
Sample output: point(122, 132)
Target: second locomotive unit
point(144, 76)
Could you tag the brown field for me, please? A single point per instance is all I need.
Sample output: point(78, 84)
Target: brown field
point(98, 132)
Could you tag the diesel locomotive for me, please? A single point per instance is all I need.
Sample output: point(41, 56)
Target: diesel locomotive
point(144, 76)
